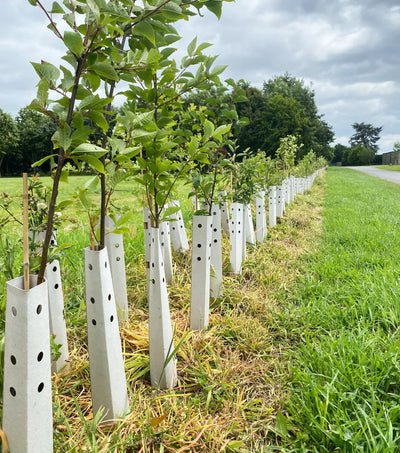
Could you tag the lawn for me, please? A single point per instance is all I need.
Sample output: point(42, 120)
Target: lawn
point(389, 167)
point(344, 318)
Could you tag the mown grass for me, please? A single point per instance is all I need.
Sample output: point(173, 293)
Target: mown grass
point(389, 167)
point(231, 376)
point(345, 318)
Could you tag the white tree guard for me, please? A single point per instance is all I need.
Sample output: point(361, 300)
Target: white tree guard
point(292, 188)
point(287, 190)
point(261, 220)
point(179, 239)
point(107, 372)
point(39, 236)
point(216, 284)
point(161, 343)
point(272, 206)
point(248, 225)
point(166, 250)
point(236, 237)
point(201, 259)
point(224, 212)
point(147, 240)
point(27, 400)
point(279, 201)
point(57, 314)
point(116, 255)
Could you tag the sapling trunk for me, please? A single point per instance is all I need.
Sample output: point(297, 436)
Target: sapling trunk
point(25, 230)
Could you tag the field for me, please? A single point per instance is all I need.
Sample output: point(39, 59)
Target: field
point(302, 349)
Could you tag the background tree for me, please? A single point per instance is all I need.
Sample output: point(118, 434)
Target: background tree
point(366, 135)
point(8, 139)
point(340, 153)
point(35, 132)
point(360, 155)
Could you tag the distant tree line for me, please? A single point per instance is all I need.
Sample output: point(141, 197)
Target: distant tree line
point(261, 117)
point(284, 106)
point(24, 140)
point(363, 146)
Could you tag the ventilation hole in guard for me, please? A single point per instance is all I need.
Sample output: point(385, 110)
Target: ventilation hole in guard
point(215, 241)
point(153, 281)
point(118, 258)
point(90, 267)
point(111, 318)
point(109, 297)
point(92, 300)
point(40, 356)
point(199, 225)
point(94, 322)
point(14, 311)
point(215, 230)
point(198, 258)
point(13, 360)
point(55, 269)
point(199, 246)
point(38, 309)
point(40, 387)
point(105, 264)
point(12, 391)
point(56, 286)
point(117, 245)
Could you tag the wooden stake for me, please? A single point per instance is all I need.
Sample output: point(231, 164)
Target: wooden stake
point(25, 230)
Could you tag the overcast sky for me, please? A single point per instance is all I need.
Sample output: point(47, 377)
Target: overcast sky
point(346, 50)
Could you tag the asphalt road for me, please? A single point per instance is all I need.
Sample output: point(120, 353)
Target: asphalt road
point(392, 176)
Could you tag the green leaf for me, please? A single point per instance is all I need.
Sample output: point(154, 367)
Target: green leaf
point(234, 446)
point(42, 161)
point(99, 120)
point(93, 161)
point(56, 9)
point(64, 137)
point(208, 129)
point(64, 175)
point(169, 211)
point(192, 47)
point(146, 30)
point(84, 148)
point(202, 46)
point(215, 6)
point(218, 69)
point(43, 91)
point(64, 204)
point(91, 183)
point(47, 71)
point(83, 197)
point(281, 425)
point(94, 80)
point(104, 70)
point(74, 42)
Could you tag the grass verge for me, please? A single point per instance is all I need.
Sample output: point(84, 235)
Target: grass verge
point(345, 363)
point(389, 167)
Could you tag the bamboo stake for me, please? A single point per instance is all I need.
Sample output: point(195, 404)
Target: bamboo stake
point(25, 229)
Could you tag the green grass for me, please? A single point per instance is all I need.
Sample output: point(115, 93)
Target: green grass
point(345, 320)
point(389, 167)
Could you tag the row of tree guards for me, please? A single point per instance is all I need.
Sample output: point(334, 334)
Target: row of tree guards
point(35, 311)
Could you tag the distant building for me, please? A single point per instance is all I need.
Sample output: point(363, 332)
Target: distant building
point(392, 158)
